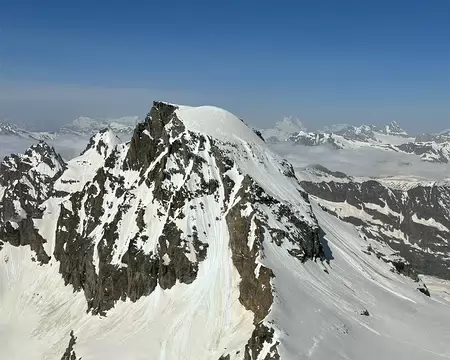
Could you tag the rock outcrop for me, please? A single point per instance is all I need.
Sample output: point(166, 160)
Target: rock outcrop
point(415, 222)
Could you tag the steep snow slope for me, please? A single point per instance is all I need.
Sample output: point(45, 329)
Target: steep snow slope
point(319, 313)
point(322, 307)
point(83, 168)
point(195, 241)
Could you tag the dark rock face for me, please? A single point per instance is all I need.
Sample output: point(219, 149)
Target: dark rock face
point(27, 181)
point(25, 234)
point(437, 138)
point(24, 182)
point(69, 354)
point(424, 290)
point(323, 171)
point(138, 273)
point(255, 292)
point(365, 312)
point(255, 287)
point(261, 335)
point(428, 151)
point(259, 134)
point(413, 222)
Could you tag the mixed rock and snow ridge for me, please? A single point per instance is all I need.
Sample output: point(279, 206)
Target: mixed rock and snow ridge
point(193, 240)
point(412, 218)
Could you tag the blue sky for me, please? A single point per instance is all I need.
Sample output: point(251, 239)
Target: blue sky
point(322, 61)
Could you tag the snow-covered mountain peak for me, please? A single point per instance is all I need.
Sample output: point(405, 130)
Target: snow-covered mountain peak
point(227, 133)
point(217, 123)
point(290, 125)
point(41, 158)
point(26, 180)
point(393, 128)
point(362, 133)
point(102, 142)
point(9, 129)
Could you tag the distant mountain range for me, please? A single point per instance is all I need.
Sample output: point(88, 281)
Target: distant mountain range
point(81, 126)
point(390, 137)
point(283, 129)
point(289, 127)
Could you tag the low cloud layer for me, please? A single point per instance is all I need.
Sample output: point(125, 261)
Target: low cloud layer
point(364, 161)
point(68, 147)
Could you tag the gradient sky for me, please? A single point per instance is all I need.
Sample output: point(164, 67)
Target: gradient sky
point(322, 61)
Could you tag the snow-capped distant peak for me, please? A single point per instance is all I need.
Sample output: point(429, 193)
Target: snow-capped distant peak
point(290, 125)
point(8, 129)
point(392, 128)
point(88, 126)
point(283, 129)
point(39, 156)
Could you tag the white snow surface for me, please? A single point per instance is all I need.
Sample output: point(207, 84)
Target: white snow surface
point(216, 122)
point(320, 311)
point(83, 168)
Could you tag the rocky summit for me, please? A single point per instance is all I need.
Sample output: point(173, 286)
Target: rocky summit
point(193, 240)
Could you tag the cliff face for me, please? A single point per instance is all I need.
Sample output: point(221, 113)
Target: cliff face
point(26, 181)
point(414, 221)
